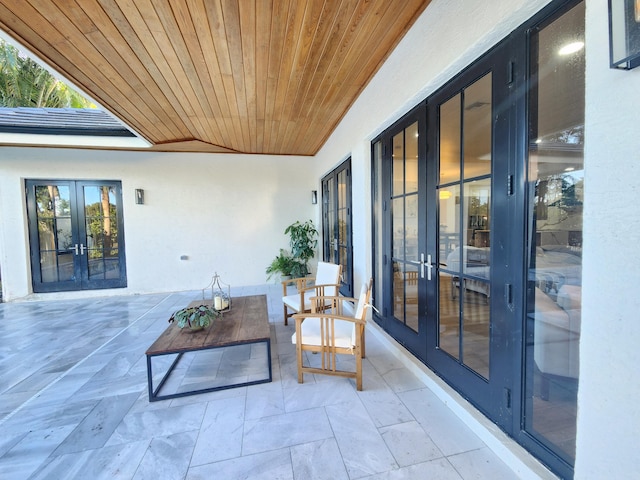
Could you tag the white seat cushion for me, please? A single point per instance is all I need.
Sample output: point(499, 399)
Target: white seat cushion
point(345, 333)
point(293, 301)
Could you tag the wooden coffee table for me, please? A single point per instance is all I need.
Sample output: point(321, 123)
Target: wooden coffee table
point(246, 323)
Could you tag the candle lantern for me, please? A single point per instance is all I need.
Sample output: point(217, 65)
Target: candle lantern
point(220, 294)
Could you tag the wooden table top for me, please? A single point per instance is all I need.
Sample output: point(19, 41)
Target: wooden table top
point(246, 322)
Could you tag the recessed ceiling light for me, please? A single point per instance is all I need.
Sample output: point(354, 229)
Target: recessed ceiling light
point(570, 48)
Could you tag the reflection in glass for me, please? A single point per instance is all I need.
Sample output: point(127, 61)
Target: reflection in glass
point(554, 289)
point(464, 205)
point(101, 232)
point(398, 164)
point(404, 206)
point(477, 206)
point(378, 214)
point(450, 133)
point(54, 232)
point(411, 158)
point(477, 128)
point(449, 315)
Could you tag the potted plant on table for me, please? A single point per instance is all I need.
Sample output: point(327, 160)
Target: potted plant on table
point(194, 318)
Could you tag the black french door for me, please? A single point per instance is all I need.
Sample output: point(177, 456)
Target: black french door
point(400, 227)
point(469, 217)
point(438, 214)
point(76, 235)
point(336, 219)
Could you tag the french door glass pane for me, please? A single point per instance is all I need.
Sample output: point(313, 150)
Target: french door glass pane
point(405, 225)
point(554, 289)
point(101, 225)
point(54, 233)
point(450, 132)
point(378, 225)
point(464, 199)
point(341, 234)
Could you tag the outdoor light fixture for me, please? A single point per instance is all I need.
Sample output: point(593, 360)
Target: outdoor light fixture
point(314, 196)
point(139, 196)
point(624, 33)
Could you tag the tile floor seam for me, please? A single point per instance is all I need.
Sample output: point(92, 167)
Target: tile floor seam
point(76, 365)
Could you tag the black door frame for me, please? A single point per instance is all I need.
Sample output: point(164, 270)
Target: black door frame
point(332, 244)
point(414, 341)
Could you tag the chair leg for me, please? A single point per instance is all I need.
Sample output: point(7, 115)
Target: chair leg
point(359, 371)
point(286, 318)
point(299, 361)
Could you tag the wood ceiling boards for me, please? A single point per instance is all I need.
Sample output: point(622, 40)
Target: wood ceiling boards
point(261, 76)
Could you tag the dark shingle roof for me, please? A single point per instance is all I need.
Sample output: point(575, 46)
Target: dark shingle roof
point(61, 121)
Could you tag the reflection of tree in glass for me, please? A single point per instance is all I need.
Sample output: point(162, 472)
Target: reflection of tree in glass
point(51, 207)
point(102, 229)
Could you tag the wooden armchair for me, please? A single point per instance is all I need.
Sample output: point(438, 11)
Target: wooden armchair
point(336, 330)
point(326, 283)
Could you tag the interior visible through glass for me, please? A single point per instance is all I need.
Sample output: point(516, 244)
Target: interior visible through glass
point(405, 226)
point(556, 197)
point(464, 199)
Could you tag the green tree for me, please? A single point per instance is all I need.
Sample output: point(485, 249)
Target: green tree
point(24, 83)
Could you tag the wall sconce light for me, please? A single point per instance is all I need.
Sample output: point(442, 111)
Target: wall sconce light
point(139, 196)
point(624, 33)
point(314, 196)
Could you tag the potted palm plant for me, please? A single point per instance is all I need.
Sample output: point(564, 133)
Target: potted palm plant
point(285, 265)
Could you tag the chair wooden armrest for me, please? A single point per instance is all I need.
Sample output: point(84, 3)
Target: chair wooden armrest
point(333, 304)
point(300, 283)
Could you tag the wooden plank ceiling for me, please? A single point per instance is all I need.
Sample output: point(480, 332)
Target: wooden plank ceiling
point(253, 76)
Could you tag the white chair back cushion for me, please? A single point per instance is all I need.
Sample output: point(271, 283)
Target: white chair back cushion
point(327, 274)
point(362, 302)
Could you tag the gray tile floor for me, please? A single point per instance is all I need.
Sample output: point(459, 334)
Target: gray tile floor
point(74, 405)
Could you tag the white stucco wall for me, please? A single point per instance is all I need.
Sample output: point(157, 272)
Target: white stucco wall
point(608, 398)
point(609, 415)
point(227, 213)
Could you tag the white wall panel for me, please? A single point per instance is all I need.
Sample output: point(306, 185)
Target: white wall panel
point(226, 213)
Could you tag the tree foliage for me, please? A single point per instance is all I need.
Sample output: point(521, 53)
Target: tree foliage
point(24, 83)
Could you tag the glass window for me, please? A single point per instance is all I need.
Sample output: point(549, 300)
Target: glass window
point(464, 199)
point(556, 196)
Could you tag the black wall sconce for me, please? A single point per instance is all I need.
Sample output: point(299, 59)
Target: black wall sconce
point(314, 196)
point(624, 33)
point(139, 196)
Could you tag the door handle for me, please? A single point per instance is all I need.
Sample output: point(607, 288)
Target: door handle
point(75, 249)
point(429, 266)
point(82, 249)
point(422, 265)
